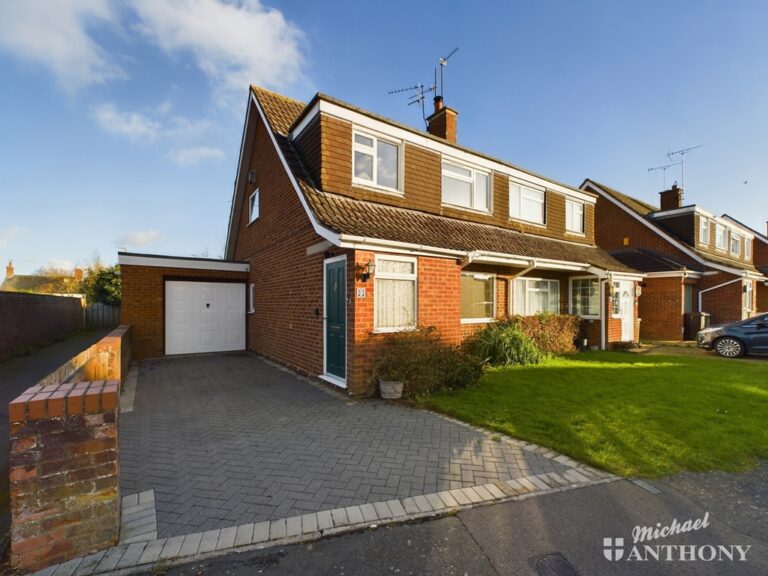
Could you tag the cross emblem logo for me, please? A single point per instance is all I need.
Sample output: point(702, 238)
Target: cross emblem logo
point(613, 548)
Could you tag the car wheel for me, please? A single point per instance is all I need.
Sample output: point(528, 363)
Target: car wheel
point(729, 347)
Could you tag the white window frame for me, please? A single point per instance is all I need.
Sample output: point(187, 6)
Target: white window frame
point(362, 148)
point(251, 303)
point(482, 276)
point(747, 249)
point(704, 224)
point(599, 297)
point(526, 279)
point(737, 239)
point(718, 229)
point(390, 276)
point(515, 211)
point(748, 290)
point(474, 171)
point(254, 201)
point(582, 220)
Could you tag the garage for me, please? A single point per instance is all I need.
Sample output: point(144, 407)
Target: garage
point(204, 316)
point(179, 305)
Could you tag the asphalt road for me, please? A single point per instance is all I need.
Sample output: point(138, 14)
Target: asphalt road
point(554, 535)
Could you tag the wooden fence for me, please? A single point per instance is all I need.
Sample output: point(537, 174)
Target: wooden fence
point(100, 315)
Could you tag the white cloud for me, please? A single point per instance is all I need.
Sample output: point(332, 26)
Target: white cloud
point(133, 125)
point(193, 156)
point(8, 233)
point(54, 34)
point(138, 238)
point(235, 43)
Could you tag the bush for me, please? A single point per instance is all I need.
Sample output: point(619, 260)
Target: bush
point(504, 344)
point(552, 333)
point(424, 364)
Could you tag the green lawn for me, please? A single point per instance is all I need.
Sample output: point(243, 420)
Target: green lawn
point(629, 414)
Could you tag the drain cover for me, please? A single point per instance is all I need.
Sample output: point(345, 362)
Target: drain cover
point(555, 565)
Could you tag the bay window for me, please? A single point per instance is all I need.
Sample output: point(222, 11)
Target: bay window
point(466, 187)
point(574, 216)
point(478, 297)
point(534, 296)
point(395, 294)
point(585, 297)
point(526, 203)
point(375, 162)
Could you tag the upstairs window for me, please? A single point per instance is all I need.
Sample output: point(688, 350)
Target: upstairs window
point(253, 206)
point(375, 162)
point(721, 238)
point(536, 296)
point(526, 203)
point(704, 231)
point(478, 297)
point(585, 297)
point(574, 216)
point(735, 244)
point(466, 187)
point(747, 249)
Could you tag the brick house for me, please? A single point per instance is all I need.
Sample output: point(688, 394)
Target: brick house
point(694, 262)
point(760, 257)
point(346, 226)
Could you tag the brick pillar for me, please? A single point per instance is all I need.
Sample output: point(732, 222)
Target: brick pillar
point(64, 470)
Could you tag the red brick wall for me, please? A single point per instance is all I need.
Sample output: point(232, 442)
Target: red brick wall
point(661, 309)
point(724, 304)
point(64, 468)
point(143, 303)
point(30, 320)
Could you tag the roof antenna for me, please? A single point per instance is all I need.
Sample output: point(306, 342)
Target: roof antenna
point(682, 154)
point(417, 96)
point(443, 63)
point(664, 171)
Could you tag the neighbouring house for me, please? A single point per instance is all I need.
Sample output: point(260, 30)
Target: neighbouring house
point(697, 266)
point(53, 284)
point(346, 227)
point(760, 257)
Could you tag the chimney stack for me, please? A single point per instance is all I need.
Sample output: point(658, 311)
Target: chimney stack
point(442, 122)
point(9, 270)
point(672, 198)
point(78, 274)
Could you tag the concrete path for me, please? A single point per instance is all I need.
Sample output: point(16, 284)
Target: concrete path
point(229, 440)
point(18, 374)
point(533, 536)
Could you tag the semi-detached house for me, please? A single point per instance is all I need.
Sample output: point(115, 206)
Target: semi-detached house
point(346, 227)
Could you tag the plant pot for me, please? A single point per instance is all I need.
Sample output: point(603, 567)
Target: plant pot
point(390, 389)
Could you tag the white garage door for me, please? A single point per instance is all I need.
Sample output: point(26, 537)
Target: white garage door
point(204, 317)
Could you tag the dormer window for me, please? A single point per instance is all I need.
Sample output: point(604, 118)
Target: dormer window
point(375, 161)
point(721, 238)
point(574, 216)
point(704, 231)
point(526, 203)
point(735, 244)
point(466, 187)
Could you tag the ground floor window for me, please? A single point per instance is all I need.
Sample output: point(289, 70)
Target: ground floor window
point(478, 297)
point(534, 296)
point(395, 293)
point(585, 297)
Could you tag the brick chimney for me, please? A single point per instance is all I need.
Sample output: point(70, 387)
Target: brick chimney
point(442, 122)
point(78, 273)
point(672, 198)
point(9, 270)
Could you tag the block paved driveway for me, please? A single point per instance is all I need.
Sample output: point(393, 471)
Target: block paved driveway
point(230, 439)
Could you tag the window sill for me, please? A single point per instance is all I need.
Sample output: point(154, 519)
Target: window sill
point(529, 222)
point(477, 320)
point(574, 233)
point(252, 221)
point(394, 330)
point(378, 189)
point(466, 209)
point(588, 317)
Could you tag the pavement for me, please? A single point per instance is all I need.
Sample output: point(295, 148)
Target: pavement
point(18, 374)
point(228, 440)
point(559, 534)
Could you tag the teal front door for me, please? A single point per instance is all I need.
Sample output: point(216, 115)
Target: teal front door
point(336, 318)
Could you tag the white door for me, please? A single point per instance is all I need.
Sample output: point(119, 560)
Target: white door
point(623, 291)
point(204, 317)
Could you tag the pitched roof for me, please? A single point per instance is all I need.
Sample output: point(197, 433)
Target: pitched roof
point(346, 215)
point(637, 205)
point(651, 261)
point(41, 284)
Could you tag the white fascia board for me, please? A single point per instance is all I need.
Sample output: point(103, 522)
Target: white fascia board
point(679, 245)
point(676, 212)
point(727, 222)
point(742, 230)
point(358, 119)
point(628, 276)
point(377, 244)
point(232, 215)
point(674, 274)
point(189, 263)
point(747, 231)
point(321, 230)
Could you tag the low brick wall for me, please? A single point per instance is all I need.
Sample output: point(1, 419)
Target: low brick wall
point(30, 320)
point(64, 469)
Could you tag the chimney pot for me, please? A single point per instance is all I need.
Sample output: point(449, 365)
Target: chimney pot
point(438, 103)
point(671, 199)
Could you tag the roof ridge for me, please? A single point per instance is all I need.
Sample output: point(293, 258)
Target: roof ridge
point(256, 88)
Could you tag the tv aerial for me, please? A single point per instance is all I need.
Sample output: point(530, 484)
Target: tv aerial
point(663, 169)
point(682, 154)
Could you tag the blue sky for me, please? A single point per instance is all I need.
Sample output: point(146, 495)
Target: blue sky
point(121, 121)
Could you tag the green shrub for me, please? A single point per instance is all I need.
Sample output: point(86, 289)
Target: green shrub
point(424, 364)
point(552, 333)
point(504, 344)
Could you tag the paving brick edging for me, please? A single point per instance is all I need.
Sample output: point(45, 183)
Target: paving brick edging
point(129, 558)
